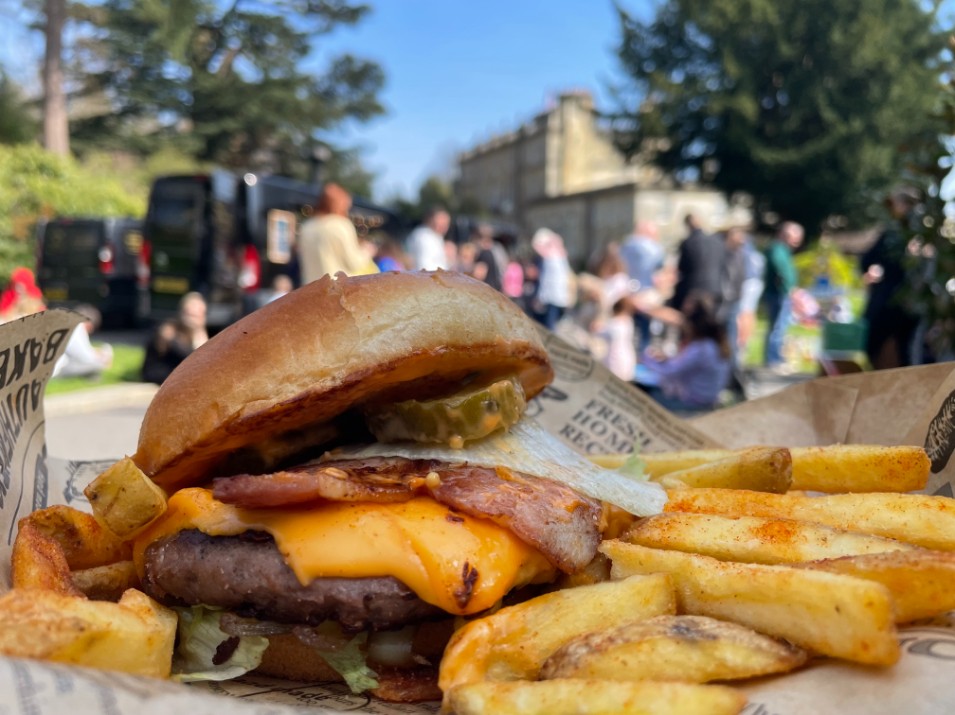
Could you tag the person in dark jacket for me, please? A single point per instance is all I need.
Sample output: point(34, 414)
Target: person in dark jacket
point(891, 326)
point(174, 340)
point(699, 266)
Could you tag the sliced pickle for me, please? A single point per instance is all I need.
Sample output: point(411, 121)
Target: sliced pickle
point(453, 420)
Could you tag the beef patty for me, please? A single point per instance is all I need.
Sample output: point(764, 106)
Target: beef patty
point(246, 574)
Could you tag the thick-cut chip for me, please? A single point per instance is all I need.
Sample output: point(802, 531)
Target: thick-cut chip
point(594, 697)
point(135, 635)
point(762, 469)
point(927, 521)
point(922, 582)
point(754, 539)
point(688, 649)
point(840, 616)
point(51, 542)
point(124, 499)
point(833, 469)
point(860, 468)
point(513, 643)
point(657, 464)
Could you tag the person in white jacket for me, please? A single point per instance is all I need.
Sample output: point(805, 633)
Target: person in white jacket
point(556, 278)
point(81, 358)
point(425, 246)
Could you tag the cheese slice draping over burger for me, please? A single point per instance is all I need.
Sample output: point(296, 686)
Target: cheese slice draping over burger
point(348, 470)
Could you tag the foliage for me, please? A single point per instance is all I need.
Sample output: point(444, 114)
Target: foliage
point(34, 184)
point(223, 82)
point(803, 104)
point(930, 290)
point(17, 124)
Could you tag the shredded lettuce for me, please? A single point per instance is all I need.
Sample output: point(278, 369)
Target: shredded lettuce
point(200, 639)
point(634, 467)
point(349, 662)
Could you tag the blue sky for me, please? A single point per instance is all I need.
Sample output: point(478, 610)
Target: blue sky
point(457, 72)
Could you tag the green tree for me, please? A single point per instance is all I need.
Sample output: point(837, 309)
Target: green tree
point(17, 123)
point(803, 104)
point(225, 82)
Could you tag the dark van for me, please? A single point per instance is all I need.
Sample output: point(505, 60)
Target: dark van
point(228, 237)
point(100, 261)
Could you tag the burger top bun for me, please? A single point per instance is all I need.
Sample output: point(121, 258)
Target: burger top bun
point(294, 364)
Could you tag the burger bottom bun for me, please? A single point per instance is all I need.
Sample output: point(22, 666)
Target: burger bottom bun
point(289, 658)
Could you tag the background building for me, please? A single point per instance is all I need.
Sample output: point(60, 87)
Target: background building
point(561, 170)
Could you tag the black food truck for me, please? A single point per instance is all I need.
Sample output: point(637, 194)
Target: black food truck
point(100, 261)
point(228, 237)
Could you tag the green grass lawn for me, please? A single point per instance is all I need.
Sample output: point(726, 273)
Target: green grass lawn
point(127, 361)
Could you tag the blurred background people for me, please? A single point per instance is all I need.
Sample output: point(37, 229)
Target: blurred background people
point(81, 358)
point(426, 245)
point(644, 257)
point(780, 282)
point(618, 333)
point(174, 340)
point(692, 379)
point(489, 264)
point(731, 287)
point(390, 257)
point(699, 266)
point(21, 296)
point(555, 283)
point(891, 326)
point(281, 285)
point(750, 294)
point(328, 243)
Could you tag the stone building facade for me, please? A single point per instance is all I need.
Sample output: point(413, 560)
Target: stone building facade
point(560, 170)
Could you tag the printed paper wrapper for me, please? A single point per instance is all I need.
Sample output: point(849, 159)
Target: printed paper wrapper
point(585, 407)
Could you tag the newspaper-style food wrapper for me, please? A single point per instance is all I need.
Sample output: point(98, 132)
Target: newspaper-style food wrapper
point(588, 409)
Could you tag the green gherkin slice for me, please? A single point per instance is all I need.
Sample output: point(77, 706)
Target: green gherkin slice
point(454, 420)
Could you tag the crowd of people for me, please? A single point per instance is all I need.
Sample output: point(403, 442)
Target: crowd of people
point(675, 323)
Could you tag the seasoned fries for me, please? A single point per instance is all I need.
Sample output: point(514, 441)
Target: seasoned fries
point(839, 616)
point(922, 583)
point(860, 468)
point(513, 643)
point(832, 469)
point(915, 518)
point(125, 500)
point(594, 697)
point(106, 583)
point(135, 635)
point(762, 469)
point(689, 649)
point(753, 539)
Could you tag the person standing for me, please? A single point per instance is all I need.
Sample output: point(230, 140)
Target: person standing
point(644, 256)
point(891, 327)
point(328, 243)
point(731, 287)
point(779, 285)
point(426, 243)
point(555, 281)
point(487, 265)
point(751, 293)
point(699, 266)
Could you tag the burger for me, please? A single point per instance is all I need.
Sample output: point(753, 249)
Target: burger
point(350, 473)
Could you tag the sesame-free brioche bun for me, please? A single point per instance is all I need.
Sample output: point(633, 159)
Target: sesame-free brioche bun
point(331, 345)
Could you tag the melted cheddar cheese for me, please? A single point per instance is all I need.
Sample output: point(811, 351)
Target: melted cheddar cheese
point(459, 563)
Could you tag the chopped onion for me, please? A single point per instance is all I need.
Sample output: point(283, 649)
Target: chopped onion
point(234, 625)
point(392, 647)
point(529, 448)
